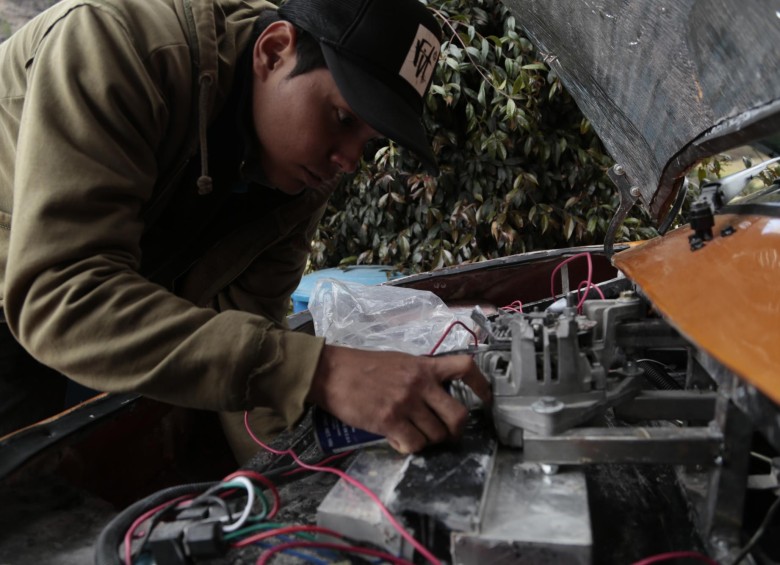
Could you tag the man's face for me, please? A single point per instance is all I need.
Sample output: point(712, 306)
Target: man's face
point(308, 134)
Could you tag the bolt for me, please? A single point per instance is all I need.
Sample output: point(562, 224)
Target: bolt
point(547, 405)
point(634, 191)
point(631, 368)
point(696, 242)
point(619, 170)
point(548, 469)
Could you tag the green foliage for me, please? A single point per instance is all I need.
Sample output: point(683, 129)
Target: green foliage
point(521, 168)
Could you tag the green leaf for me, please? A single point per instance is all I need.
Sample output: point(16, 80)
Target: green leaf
point(568, 227)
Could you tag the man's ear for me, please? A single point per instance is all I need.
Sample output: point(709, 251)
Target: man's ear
point(274, 49)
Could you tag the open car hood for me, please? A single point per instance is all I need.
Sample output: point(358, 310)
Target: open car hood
point(664, 83)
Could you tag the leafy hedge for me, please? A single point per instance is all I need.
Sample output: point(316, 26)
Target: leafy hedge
point(521, 168)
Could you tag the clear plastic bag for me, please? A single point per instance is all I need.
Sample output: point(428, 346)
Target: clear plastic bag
point(387, 318)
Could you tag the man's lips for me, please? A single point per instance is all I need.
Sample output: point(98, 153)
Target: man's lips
point(313, 179)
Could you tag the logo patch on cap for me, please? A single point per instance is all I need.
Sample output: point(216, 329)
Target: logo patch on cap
point(420, 62)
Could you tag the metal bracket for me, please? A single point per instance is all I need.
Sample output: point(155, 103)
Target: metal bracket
point(628, 196)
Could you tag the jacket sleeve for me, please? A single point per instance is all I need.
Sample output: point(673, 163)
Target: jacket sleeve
point(265, 289)
point(94, 118)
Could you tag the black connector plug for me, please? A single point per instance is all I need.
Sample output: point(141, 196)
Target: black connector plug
point(183, 542)
point(165, 543)
point(204, 540)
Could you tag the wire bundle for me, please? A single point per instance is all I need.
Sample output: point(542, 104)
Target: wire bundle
point(236, 512)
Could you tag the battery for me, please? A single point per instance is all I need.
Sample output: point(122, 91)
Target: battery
point(334, 436)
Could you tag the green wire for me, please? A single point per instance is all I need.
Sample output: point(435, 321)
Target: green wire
point(265, 526)
point(264, 502)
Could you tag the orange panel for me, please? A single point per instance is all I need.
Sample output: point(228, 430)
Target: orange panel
point(724, 297)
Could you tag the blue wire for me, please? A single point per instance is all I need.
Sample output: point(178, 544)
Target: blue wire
point(295, 553)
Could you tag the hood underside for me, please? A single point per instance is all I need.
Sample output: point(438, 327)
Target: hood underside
point(664, 83)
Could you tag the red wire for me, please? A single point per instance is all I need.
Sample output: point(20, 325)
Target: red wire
point(260, 479)
point(357, 484)
point(448, 330)
point(566, 262)
point(266, 556)
point(514, 306)
point(322, 462)
point(286, 530)
point(676, 555)
point(593, 286)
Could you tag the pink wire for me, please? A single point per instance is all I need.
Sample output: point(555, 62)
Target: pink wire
point(448, 330)
point(510, 309)
point(330, 459)
point(593, 286)
point(515, 306)
point(355, 483)
point(676, 555)
point(566, 261)
point(323, 545)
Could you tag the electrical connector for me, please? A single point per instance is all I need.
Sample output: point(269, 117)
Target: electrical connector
point(204, 540)
point(165, 543)
point(182, 542)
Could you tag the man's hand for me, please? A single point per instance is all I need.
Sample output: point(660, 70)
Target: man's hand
point(397, 395)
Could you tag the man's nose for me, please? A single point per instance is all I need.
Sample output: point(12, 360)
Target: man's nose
point(347, 155)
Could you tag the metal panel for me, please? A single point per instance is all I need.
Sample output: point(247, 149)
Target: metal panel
point(663, 82)
point(529, 518)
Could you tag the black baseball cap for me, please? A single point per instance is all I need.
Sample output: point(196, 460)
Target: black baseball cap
point(382, 54)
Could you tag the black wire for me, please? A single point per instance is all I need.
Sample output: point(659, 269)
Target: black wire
point(759, 532)
point(659, 377)
point(110, 538)
point(208, 498)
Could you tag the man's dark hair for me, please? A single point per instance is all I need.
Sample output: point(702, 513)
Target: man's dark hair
point(307, 48)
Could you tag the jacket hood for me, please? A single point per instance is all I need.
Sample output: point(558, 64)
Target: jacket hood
point(664, 83)
point(217, 34)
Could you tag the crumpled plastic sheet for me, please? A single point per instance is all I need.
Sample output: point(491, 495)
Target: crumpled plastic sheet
point(386, 318)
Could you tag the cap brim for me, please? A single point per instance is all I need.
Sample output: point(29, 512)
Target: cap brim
point(380, 107)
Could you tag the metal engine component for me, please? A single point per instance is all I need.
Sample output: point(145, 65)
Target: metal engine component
point(549, 371)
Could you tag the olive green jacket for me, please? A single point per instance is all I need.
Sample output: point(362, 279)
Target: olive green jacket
point(102, 104)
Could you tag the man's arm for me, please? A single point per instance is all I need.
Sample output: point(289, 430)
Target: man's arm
point(95, 119)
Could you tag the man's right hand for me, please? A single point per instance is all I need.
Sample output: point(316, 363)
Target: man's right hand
point(396, 395)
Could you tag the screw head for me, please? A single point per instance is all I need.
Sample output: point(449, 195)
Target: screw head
point(547, 405)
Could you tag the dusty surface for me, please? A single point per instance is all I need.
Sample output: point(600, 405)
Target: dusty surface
point(14, 13)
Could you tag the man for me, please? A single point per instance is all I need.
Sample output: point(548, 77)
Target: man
point(163, 166)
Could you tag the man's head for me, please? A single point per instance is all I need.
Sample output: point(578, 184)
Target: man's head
point(380, 57)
